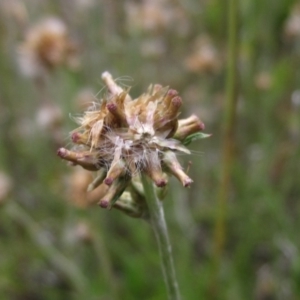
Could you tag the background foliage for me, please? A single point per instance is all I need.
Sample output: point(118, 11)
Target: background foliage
point(53, 248)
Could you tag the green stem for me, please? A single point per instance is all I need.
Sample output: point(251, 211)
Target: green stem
point(228, 126)
point(159, 226)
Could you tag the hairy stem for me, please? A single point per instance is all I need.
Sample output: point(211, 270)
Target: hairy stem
point(159, 226)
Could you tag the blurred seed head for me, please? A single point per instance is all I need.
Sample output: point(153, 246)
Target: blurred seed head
point(121, 138)
point(155, 16)
point(146, 15)
point(46, 45)
point(204, 57)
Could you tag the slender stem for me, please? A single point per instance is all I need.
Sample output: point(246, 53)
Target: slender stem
point(228, 126)
point(159, 226)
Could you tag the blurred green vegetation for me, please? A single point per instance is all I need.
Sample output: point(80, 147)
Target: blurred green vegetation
point(53, 249)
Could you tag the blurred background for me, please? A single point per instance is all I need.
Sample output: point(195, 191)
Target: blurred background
point(52, 54)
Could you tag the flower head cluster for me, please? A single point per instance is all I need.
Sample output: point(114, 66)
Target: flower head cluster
point(121, 137)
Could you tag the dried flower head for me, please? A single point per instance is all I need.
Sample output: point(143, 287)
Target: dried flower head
point(121, 137)
point(46, 45)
